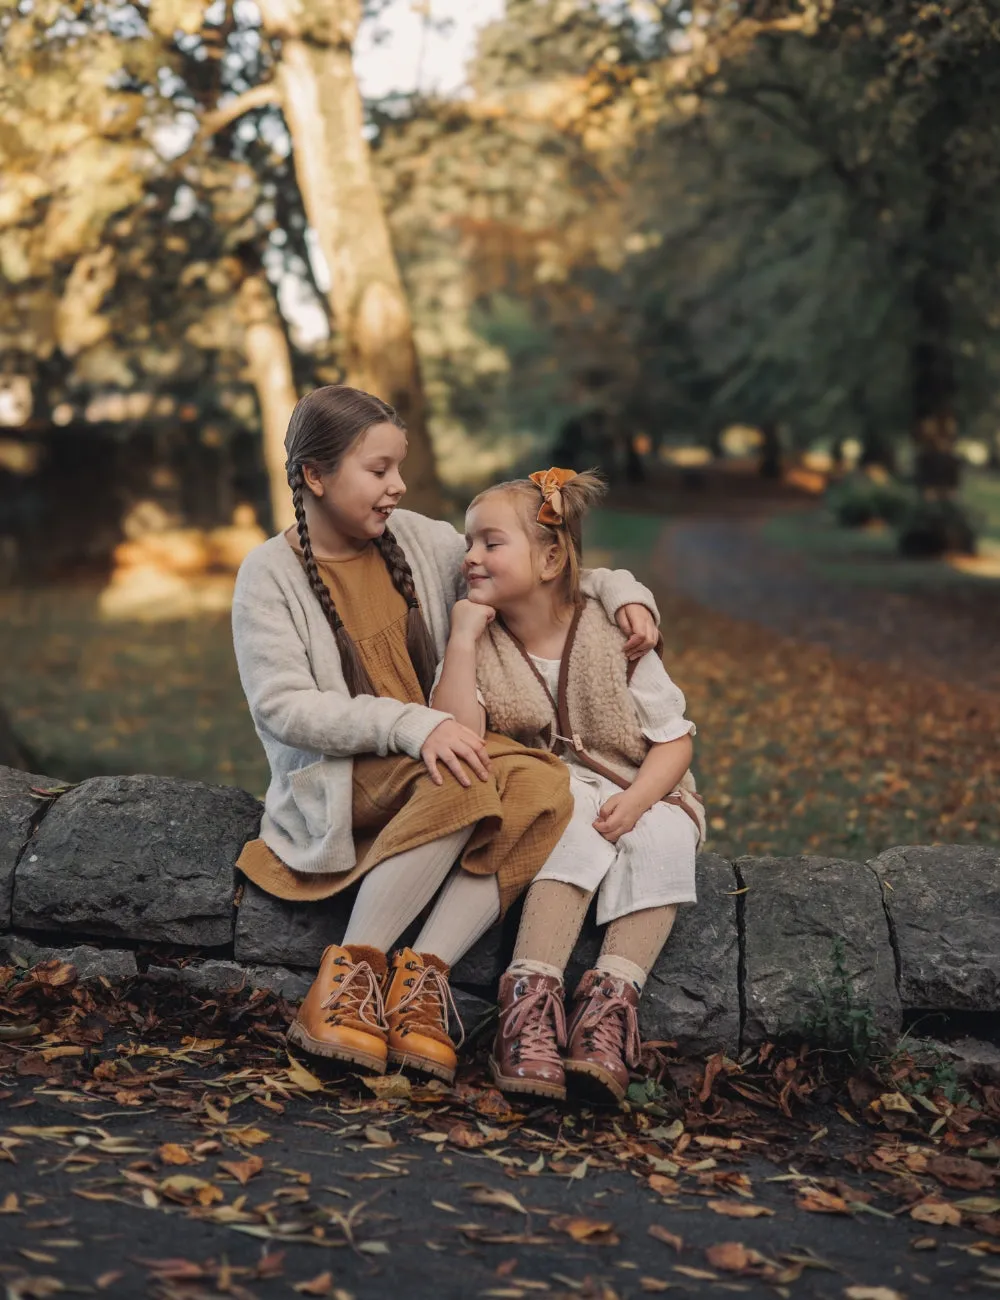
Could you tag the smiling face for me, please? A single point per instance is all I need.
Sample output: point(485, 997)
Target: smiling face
point(503, 564)
point(352, 504)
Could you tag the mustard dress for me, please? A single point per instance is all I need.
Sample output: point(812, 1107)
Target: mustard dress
point(519, 814)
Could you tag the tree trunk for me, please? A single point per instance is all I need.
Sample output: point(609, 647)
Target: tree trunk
point(770, 463)
point(932, 377)
point(322, 108)
point(270, 367)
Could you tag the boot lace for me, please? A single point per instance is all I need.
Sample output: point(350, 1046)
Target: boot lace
point(612, 1026)
point(430, 1000)
point(358, 994)
point(539, 1021)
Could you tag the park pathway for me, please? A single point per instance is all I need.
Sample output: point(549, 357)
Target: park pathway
point(728, 566)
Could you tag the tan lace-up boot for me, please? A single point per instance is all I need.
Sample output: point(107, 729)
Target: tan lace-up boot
point(532, 1028)
point(417, 1004)
point(341, 1017)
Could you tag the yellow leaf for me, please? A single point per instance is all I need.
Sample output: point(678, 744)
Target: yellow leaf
point(322, 1284)
point(242, 1170)
point(303, 1078)
point(389, 1087)
point(379, 1137)
point(740, 1209)
point(936, 1212)
point(172, 1153)
point(499, 1199)
point(11, 1204)
point(894, 1101)
point(248, 1137)
point(873, 1293)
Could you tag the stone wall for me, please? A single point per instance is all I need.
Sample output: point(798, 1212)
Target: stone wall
point(833, 950)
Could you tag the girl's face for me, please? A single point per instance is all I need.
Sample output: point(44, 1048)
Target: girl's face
point(358, 497)
point(502, 565)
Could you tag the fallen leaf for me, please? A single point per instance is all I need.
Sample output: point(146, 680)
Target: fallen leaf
point(172, 1153)
point(815, 1200)
point(979, 1204)
point(185, 1187)
point(662, 1185)
point(731, 1256)
point(960, 1172)
point(588, 1232)
point(893, 1101)
point(243, 1170)
point(374, 1247)
point(740, 1209)
point(461, 1135)
point(10, 1204)
point(108, 1279)
point(301, 1077)
point(322, 1284)
point(873, 1293)
point(668, 1238)
point(379, 1137)
point(653, 1284)
point(696, 1273)
point(389, 1087)
point(247, 1136)
point(498, 1199)
point(937, 1213)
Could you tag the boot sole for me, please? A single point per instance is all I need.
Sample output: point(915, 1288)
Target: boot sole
point(530, 1087)
point(407, 1061)
point(299, 1038)
point(591, 1082)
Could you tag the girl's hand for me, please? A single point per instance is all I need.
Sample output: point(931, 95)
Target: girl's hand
point(617, 817)
point(452, 744)
point(640, 627)
point(471, 620)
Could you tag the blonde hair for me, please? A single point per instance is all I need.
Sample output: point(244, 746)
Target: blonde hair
point(579, 494)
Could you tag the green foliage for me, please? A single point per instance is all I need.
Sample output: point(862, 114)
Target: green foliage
point(930, 528)
point(858, 500)
point(839, 1023)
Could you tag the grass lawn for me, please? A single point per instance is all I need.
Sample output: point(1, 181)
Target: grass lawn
point(868, 557)
point(797, 750)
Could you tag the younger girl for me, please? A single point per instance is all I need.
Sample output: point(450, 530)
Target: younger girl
point(338, 625)
point(542, 663)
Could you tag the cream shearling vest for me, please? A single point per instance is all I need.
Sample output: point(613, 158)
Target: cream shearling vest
point(593, 714)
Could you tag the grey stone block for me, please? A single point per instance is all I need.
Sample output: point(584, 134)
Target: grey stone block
point(270, 931)
point(944, 904)
point(692, 994)
point(799, 912)
point(211, 978)
point(137, 857)
point(19, 810)
point(91, 963)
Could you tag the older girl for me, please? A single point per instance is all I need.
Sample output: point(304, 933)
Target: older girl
point(539, 660)
point(338, 625)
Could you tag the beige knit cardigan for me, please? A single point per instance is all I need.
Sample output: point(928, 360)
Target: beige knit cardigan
point(307, 721)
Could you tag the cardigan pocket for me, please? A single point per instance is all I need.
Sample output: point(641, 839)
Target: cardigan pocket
point(310, 790)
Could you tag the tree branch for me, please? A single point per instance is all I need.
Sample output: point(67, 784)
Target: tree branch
point(258, 97)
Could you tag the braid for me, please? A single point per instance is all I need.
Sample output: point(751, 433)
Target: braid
point(356, 678)
point(418, 638)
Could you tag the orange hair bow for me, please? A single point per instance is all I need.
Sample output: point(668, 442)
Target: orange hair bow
point(549, 482)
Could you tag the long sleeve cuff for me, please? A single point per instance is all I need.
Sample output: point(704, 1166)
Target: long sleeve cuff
point(410, 733)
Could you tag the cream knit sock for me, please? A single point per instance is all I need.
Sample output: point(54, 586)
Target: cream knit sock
point(396, 891)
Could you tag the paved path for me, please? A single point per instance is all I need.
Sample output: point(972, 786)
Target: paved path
point(425, 1218)
point(728, 566)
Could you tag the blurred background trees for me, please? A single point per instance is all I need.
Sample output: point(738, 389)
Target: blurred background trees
point(643, 224)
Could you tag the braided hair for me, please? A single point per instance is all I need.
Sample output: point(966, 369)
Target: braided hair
point(323, 428)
